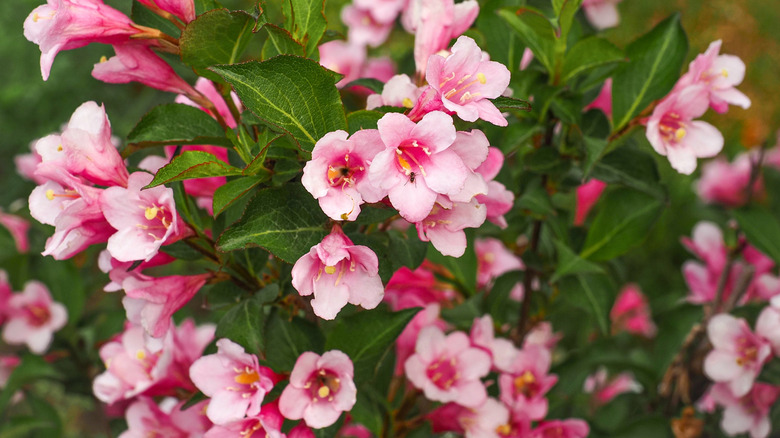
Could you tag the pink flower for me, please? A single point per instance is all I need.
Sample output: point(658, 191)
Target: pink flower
point(602, 14)
point(405, 344)
point(603, 101)
point(747, 413)
point(428, 102)
point(444, 226)
point(768, 325)
point(353, 430)
point(727, 183)
point(481, 422)
point(84, 149)
point(466, 82)
point(448, 369)
point(338, 272)
point(364, 29)
point(673, 133)
point(337, 174)
point(18, 228)
point(524, 387)
point(268, 423)
point(605, 390)
point(385, 11)
point(399, 91)
point(542, 335)
point(146, 419)
point(525, 60)
point(32, 318)
point(183, 9)
point(144, 219)
point(320, 389)
point(720, 74)
point(587, 196)
point(139, 63)
point(494, 260)
point(738, 354)
point(571, 428)
point(207, 89)
point(707, 243)
point(417, 288)
point(435, 23)
point(70, 24)
point(5, 295)
point(417, 165)
point(631, 313)
point(344, 58)
point(498, 199)
point(27, 163)
point(502, 351)
point(233, 379)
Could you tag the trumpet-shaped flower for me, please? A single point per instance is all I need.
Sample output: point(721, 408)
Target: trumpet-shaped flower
point(444, 226)
point(720, 74)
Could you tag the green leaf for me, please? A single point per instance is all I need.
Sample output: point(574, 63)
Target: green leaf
point(296, 95)
point(510, 103)
point(372, 84)
point(497, 302)
point(761, 228)
point(655, 60)
point(535, 31)
point(363, 119)
point(624, 219)
point(369, 410)
point(570, 263)
point(31, 369)
point(536, 200)
point(594, 149)
point(591, 292)
point(366, 337)
point(244, 323)
point(306, 22)
point(588, 54)
point(280, 42)
point(285, 220)
point(202, 6)
point(193, 164)
point(177, 123)
point(290, 337)
point(145, 17)
point(234, 190)
point(629, 167)
point(565, 19)
point(216, 37)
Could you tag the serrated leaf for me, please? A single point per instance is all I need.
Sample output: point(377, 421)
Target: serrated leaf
point(230, 192)
point(288, 338)
point(363, 119)
point(623, 221)
point(655, 60)
point(296, 95)
point(285, 220)
point(507, 103)
point(244, 323)
point(592, 292)
point(570, 263)
point(216, 37)
point(193, 164)
point(761, 228)
point(306, 22)
point(588, 54)
point(177, 123)
point(535, 31)
point(280, 42)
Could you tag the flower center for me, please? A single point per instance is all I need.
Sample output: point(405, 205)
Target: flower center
point(526, 385)
point(443, 373)
point(672, 128)
point(158, 220)
point(38, 315)
point(251, 428)
point(324, 385)
point(341, 172)
point(461, 91)
point(410, 159)
point(247, 377)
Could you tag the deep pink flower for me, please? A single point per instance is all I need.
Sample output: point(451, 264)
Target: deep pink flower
point(604, 390)
point(18, 228)
point(444, 226)
point(5, 295)
point(631, 313)
point(465, 82)
point(727, 183)
point(338, 272)
point(70, 24)
point(587, 196)
point(747, 413)
point(571, 428)
point(146, 419)
point(523, 389)
point(234, 380)
point(603, 101)
point(364, 29)
point(139, 63)
point(144, 219)
point(447, 368)
point(268, 423)
point(673, 133)
point(33, 317)
point(481, 422)
point(417, 288)
point(738, 354)
point(337, 174)
point(719, 74)
point(183, 9)
point(399, 91)
point(494, 260)
point(602, 14)
point(353, 430)
point(344, 58)
point(320, 389)
point(435, 23)
point(502, 351)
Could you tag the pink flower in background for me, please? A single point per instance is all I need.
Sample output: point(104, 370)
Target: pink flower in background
point(268, 423)
point(523, 389)
point(144, 219)
point(720, 74)
point(542, 335)
point(381, 69)
point(587, 196)
point(435, 23)
point(473, 148)
point(33, 317)
point(70, 24)
point(320, 389)
point(337, 174)
point(481, 422)
point(631, 313)
point(604, 389)
point(748, 413)
point(707, 243)
point(338, 272)
point(364, 29)
point(5, 295)
point(673, 133)
point(602, 14)
point(234, 380)
point(603, 101)
point(498, 199)
point(525, 61)
point(448, 368)
point(385, 11)
point(18, 228)
point(139, 63)
point(344, 58)
point(768, 325)
point(502, 351)
point(466, 82)
point(399, 91)
point(444, 226)
point(27, 163)
point(571, 428)
point(207, 88)
point(494, 260)
point(146, 419)
point(738, 354)
point(183, 9)
point(727, 183)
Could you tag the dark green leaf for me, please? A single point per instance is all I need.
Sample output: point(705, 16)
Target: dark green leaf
point(536, 200)
point(761, 228)
point(288, 338)
point(591, 292)
point(193, 164)
point(624, 219)
point(463, 268)
point(216, 37)
point(372, 84)
point(227, 194)
point(570, 263)
point(243, 324)
point(535, 31)
point(588, 54)
point(655, 60)
point(177, 123)
point(296, 95)
point(369, 410)
point(629, 167)
point(656, 426)
point(286, 221)
point(363, 119)
point(202, 6)
point(508, 103)
point(497, 302)
point(462, 316)
point(306, 22)
point(182, 251)
point(280, 42)
point(31, 369)
point(594, 149)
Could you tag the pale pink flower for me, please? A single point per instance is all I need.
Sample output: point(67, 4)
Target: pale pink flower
point(604, 389)
point(542, 335)
point(139, 63)
point(268, 423)
point(727, 183)
point(748, 413)
point(738, 354)
point(444, 226)
point(18, 228)
point(144, 219)
point(385, 11)
point(483, 421)
point(33, 317)
point(405, 344)
point(320, 389)
point(494, 260)
point(502, 351)
point(632, 313)
point(587, 196)
point(523, 389)
point(364, 29)
point(182, 9)
point(768, 325)
point(466, 82)
point(707, 243)
point(719, 74)
point(525, 60)
point(27, 163)
point(234, 380)
point(146, 419)
point(448, 368)
point(337, 174)
point(498, 201)
point(344, 58)
point(572, 428)
point(399, 91)
point(602, 14)
point(673, 133)
point(70, 24)
point(417, 164)
point(338, 272)
point(473, 148)
point(435, 23)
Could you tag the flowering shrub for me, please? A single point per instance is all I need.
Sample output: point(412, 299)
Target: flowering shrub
point(426, 225)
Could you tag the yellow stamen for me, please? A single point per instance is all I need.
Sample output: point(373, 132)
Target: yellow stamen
point(679, 134)
point(482, 79)
point(50, 194)
point(405, 164)
point(103, 59)
point(323, 392)
point(725, 73)
point(330, 269)
point(408, 102)
point(150, 213)
point(140, 355)
point(59, 148)
point(247, 378)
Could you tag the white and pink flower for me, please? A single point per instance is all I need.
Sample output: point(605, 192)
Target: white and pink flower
point(32, 317)
point(748, 413)
point(738, 354)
